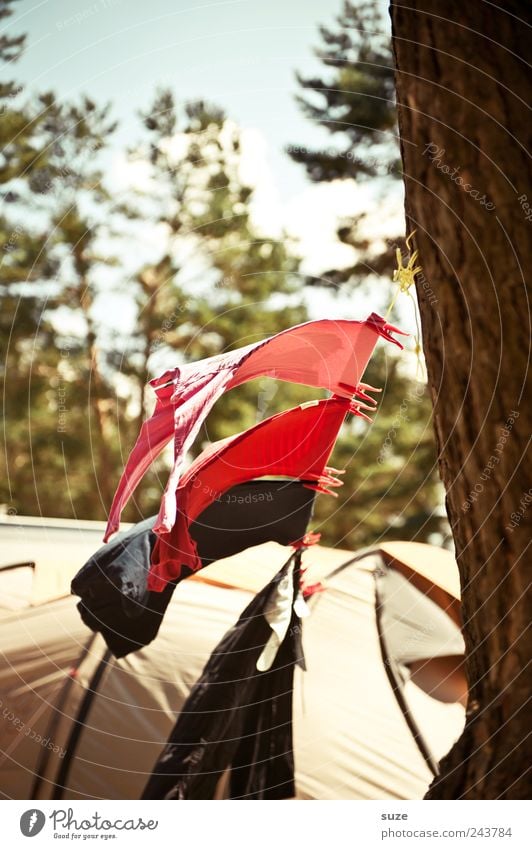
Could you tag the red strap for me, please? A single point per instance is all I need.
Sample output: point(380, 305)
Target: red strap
point(306, 541)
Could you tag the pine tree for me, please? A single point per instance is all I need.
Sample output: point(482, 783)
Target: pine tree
point(25, 264)
point(218, 283)
point(391, 486)
point(55, 394)
point(80, 209)
point(355, 103)
point(211, 288)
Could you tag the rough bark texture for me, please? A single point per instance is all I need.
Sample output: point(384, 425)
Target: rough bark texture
point(463, 88)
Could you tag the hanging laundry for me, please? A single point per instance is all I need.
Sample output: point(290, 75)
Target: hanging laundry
point(126, 586)
point(113, 584)
point(238, 717)
point(113, 587)
point(327, 354)
point(295, 444)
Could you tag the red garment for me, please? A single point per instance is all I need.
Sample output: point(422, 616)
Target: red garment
point(295, 444)
point(328, 354)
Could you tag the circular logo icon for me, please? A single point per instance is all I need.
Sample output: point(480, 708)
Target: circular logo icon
point(32, 822)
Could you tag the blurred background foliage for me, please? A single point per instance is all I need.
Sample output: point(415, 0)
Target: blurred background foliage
point(86, 320)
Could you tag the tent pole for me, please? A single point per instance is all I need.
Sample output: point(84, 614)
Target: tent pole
point(395, 684)
point(79, 725)
point(57, 711)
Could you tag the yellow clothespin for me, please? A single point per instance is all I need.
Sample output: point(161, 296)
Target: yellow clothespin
point(405, 277)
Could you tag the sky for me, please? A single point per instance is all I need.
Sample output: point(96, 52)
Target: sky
point(239, 54)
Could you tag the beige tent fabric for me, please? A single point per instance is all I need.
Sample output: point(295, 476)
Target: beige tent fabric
point(350, 739)
point(16, 587)
point(432, 570)
point(435, 564)
point(57, 547)
point(38, 648)
point(251, 570)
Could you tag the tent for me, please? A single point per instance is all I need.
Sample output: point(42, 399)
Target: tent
point(381, 700)
point(39, 556)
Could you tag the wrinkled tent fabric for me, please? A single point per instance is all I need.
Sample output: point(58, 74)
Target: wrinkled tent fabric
point(296, 444)
point(113, 584)
point(327, 354)
point(402, 616)
point(237, 717)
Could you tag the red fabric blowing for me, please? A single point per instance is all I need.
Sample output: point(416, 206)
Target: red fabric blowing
point(327, 354)
point(295, 444)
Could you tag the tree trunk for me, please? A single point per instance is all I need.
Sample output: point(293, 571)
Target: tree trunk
point(462, 89)
point(96, 402)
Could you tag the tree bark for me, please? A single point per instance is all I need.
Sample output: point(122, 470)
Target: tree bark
point(462, 90)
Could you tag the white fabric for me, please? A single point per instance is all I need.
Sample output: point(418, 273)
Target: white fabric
point(278, 614)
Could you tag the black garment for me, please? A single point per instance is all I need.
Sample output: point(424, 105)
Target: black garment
point(237, 717)
point(114, 595)
point(112, 585)
point(252, 513)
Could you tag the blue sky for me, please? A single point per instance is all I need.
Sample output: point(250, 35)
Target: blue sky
point(239, 54)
